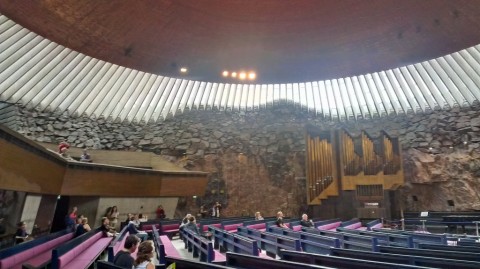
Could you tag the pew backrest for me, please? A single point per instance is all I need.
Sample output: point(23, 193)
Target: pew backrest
point(246, 261)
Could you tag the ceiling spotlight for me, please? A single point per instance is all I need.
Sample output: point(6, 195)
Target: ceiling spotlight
point(252, 75)
point(225, 73)
point(183, 70)
point(234, 74)
point(242, 75)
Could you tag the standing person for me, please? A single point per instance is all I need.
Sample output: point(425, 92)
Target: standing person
point(258, 216)
point(216, 210)
point(279, 221)
point(123, 257)
point(203, 212)
point(160, 212)
point(71, 220)
point(144, 256)
point(305, 222)
point(112, 216)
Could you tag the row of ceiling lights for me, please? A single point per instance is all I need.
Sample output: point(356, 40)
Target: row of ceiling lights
point(242, 75)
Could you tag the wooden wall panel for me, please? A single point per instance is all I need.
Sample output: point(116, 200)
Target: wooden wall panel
point(25, 170)
point(105, 180)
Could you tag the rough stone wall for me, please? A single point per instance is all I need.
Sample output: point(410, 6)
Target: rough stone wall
point(257, 158)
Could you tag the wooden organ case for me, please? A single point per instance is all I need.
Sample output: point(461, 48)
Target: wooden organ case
point(338, 162)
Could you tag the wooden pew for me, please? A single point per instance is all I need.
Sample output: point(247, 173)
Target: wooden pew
point(181, 263)
point(405, 259)
point(310, 242)
point(80, 252)
point(270, 242)
point(159, 247)
point(454, 255)
point(340, 262)
point(117, 244)
point(233, 242)
point(250, 262)
point(349, 240)
point(450, 248)
point(109, 265)
point(35, 253)
point(386, 239)
point(201, 248)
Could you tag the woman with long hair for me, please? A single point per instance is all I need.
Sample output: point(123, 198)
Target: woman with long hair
point(145, 253)
point(112, 216)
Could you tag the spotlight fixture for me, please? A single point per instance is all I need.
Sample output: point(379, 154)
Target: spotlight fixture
point(234, 74)
point(252, 75)
point(225, 73)
point(242, 75)
point(183, 70)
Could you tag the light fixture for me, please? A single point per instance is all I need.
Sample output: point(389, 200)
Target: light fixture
point(225, 73)
point(242, 75)
point(234, 74)
point(183, 70)
point(252, 75)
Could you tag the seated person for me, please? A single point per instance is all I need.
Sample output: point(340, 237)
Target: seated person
point(21, 235)
point(305, 222)
point(105, 228)
point(192, 225)
point(85, 157)
point(123, 257)
point(279, 221)
point(258, 216)
point(132, 229)
point(185, 220)
point(142, 218)
point(83, 227)
point(145, 254)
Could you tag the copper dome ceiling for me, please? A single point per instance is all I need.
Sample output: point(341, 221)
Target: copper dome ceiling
point(283, 41)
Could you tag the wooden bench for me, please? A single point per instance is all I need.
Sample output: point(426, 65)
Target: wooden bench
point(248, 262)
point(159, 247)
point(353, 224)
point(450, 248)
point(35, 253)
point(169, 228)
point(454, 255)
point(256, 224)
point(201, 248)
point(385, 239)
point(231, 226)
point(181, 263)
point(405, 259)
point(328, 225)
point(117, 243)
point(340, 262)
point(80, 252)
point(310, 242)
point(270, 242)
point(235, 243)
point(170, 250)
point(374, 224)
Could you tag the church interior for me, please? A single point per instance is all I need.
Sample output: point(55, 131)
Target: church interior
point(362, 116)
